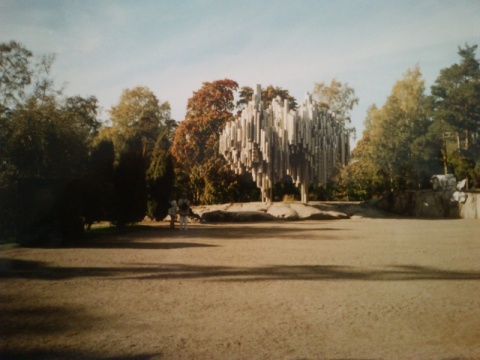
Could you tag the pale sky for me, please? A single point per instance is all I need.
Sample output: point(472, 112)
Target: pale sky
point(172, 47)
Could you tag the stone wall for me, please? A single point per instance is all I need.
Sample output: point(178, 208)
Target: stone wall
point(431, 204)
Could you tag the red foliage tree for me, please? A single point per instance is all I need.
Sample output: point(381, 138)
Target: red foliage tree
point(199, 167)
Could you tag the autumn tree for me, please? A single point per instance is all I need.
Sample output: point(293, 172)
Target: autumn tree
point(199, 167)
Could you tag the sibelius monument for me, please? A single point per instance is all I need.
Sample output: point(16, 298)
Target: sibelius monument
point(270, 143)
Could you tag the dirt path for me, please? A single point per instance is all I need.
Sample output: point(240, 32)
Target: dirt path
point(344, 289)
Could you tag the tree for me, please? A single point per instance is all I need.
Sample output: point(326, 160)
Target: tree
point(49, 139)
point(399, 145)
point(397, 125)
point(268, 94)
point(82, 114)
point(160, 177)
point(44, 143)
point(456, 94)
point(47, 152)
point(98, 184)
point(42, 134)
point(141, 132)
point(15, 73)
point(362, 177)
point(130, 190)
point(339, 98)
point(137, 120)
point(195, 145)
point(456, 103)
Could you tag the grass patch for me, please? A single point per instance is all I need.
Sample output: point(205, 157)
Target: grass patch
point(98, 230)
point(8, 244)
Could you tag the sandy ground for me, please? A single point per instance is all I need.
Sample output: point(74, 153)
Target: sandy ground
point(359, 288)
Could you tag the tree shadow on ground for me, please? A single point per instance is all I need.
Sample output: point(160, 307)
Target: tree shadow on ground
point(24, 269)
point(309, 272)
point(140, 244)
point(23, 318)
point(161, 237)
point(252, 232)
point(17, 354)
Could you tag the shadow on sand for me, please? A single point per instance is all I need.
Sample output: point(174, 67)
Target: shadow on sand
point(158, 237)
point(38, 270)
point(36, 320)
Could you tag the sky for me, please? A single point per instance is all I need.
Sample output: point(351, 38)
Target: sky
point(173, 46)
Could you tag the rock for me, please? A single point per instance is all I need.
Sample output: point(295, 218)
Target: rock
point(257, 211)
point(282, 211)
point(241, 216)
point(329, 215)
point(430, 204)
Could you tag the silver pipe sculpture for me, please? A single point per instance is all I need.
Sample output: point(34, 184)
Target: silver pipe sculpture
point(270, 143)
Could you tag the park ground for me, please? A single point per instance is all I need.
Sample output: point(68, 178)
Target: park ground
point(358, 288)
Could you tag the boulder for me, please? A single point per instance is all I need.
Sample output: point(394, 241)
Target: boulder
point(266, 212)
point(240, 216)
